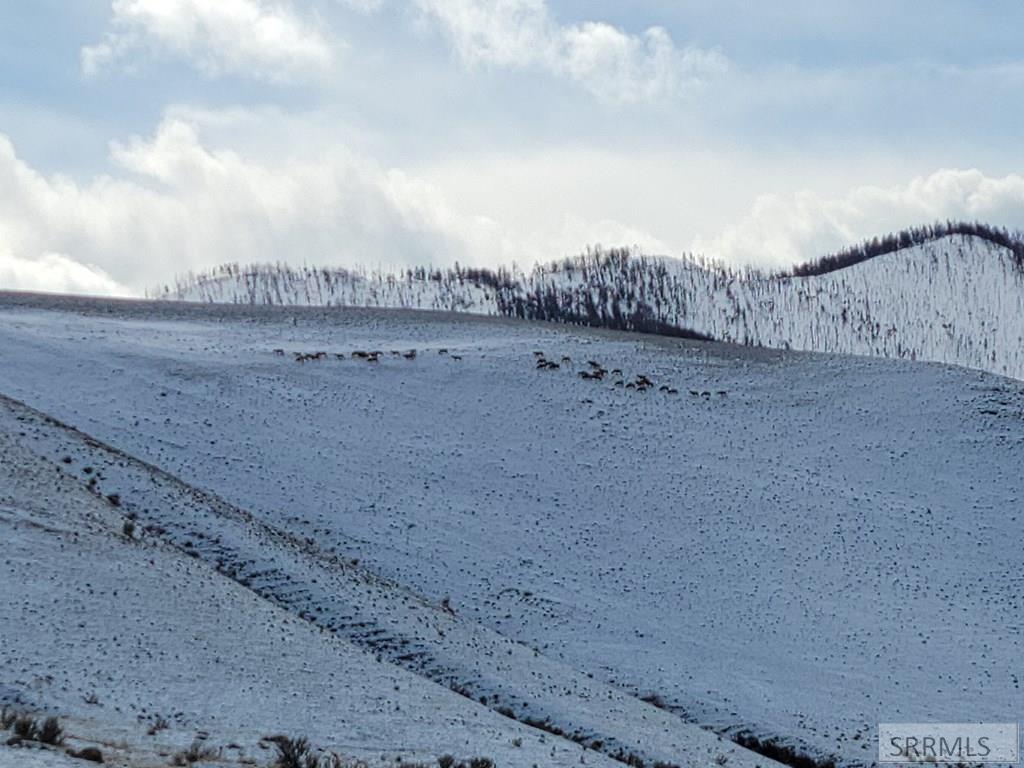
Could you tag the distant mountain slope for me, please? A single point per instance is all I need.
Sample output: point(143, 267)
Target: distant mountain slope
point(958, 299)
point(950, 293)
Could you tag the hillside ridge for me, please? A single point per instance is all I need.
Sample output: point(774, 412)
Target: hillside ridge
point(949, 293)
point(908, 238)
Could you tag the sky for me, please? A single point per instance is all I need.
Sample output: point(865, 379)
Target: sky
point(143, 139)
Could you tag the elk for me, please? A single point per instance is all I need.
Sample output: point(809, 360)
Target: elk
point(360, 354)
point(279, 352)
point(410, 355)
point(442, 351)
point(456, 357)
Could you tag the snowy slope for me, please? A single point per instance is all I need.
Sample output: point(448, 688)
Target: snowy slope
point(957, 299)
point(236, 629)
point(831, 543)
point(282, 285)
point(350, 603)
point(112, 633)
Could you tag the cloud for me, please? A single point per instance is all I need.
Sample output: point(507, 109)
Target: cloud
point(56, 273)
point(175, 203)
point(780, 231)
point(270, 42)
point(613, 65)
point(238, 37)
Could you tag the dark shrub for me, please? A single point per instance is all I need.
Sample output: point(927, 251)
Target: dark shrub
point(50, 732)
point(159, 724)
point(782, 753)
point(92, 754)
point(293, 753)
point(197, 752)
point(25, 728)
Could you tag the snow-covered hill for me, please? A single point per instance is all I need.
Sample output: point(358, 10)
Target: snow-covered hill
point(955, 298)
point(807, 546)
point(958, 299)
point(140, 646)
point(231, 627)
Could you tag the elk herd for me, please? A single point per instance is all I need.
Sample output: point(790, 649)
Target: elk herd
point(595, 371)
point(359, 354)
point(592, 371)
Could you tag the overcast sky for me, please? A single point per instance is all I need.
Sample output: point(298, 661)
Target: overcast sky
point(143, 138)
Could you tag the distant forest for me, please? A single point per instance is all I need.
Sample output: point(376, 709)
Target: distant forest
point(907, 238)
point(623, 261)
point(626, 290)
point(619, 288)
point(955, 298)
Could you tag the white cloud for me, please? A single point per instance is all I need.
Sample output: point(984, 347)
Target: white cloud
point(241, 37)
point(624, 68)
point(175, 203)
point(780, 231)
point(559, 199)
point(613, 65)
point(575, 233)
point(56, 273)
point(268, 40)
